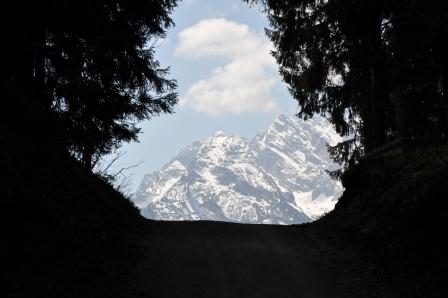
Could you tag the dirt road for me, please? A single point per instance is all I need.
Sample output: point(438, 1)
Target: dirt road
point(221, 260)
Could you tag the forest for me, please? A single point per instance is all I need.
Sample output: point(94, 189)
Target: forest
point(376, 70)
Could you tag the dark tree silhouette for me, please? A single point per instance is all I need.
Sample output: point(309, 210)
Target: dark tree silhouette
point(85, 70)
point(376, 69)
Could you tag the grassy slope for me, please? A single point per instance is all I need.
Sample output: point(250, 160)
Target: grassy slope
point(65, 229)
point(62, 225)
point(397, 210)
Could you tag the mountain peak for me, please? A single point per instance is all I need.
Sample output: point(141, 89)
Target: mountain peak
point(278, 177)
point(283, 119)
point(219, 133)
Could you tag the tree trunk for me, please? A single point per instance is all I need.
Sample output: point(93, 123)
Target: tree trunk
point(378, 89)
point(39, 70)
point(400, 112)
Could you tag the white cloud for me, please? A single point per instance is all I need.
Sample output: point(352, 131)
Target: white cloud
point(244, 84)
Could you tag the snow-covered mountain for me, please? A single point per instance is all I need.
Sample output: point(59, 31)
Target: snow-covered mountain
point(278, 177)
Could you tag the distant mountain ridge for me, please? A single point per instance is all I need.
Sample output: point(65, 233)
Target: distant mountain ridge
point(278, 177)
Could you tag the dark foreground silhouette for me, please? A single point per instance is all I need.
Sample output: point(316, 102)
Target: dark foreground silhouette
point(69, 234)
point(209, 259)
point(78, 78)
point(212, 259)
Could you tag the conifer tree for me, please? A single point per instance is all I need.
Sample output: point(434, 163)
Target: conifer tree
point(88, 68)
point(375, 69)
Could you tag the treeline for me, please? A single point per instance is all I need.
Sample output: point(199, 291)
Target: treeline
point(82, 73)
point(378, 70)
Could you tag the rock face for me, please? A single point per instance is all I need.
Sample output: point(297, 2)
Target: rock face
point(277, 178)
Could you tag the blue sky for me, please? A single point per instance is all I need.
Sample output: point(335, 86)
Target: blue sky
point(227, 81)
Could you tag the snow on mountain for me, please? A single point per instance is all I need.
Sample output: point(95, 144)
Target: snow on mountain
point(295, 153)
point(278, 177)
